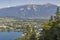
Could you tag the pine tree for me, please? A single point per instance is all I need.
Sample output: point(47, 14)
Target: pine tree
point(57, 13)
point(51, 29)
point(51, 18)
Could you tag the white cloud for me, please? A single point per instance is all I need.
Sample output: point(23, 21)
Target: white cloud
point(8, 6)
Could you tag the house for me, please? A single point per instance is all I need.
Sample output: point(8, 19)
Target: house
point(2, 25)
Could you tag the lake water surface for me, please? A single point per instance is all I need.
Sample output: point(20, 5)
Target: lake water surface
point(10, 35)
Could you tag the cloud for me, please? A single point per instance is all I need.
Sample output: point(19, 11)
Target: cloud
point(5, 3)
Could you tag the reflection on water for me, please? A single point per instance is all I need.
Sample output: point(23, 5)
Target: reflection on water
point(10, 35)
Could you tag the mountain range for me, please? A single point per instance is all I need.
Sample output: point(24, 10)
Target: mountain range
point(29, 11)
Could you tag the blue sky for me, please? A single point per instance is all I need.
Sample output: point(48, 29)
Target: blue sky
point(9, 3)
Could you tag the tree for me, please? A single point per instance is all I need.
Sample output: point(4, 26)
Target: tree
point(30, 34)
point(51, 18)
point(57, 13)
point(33, 35)
point(51, 29)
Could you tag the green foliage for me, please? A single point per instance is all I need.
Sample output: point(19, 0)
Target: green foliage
point(51, 29)
point(33, 34)
point(30, 34)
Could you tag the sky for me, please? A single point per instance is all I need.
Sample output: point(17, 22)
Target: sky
point(10, 3)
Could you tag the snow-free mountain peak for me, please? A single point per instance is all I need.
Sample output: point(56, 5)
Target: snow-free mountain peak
point(29, 11)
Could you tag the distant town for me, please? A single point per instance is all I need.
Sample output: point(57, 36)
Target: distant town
point(10, 24)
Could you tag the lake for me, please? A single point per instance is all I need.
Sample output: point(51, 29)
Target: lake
point(10, 35)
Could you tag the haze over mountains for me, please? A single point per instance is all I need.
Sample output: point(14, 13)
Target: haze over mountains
point(31, 11)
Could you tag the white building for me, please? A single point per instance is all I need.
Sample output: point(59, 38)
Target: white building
point(2, 25)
